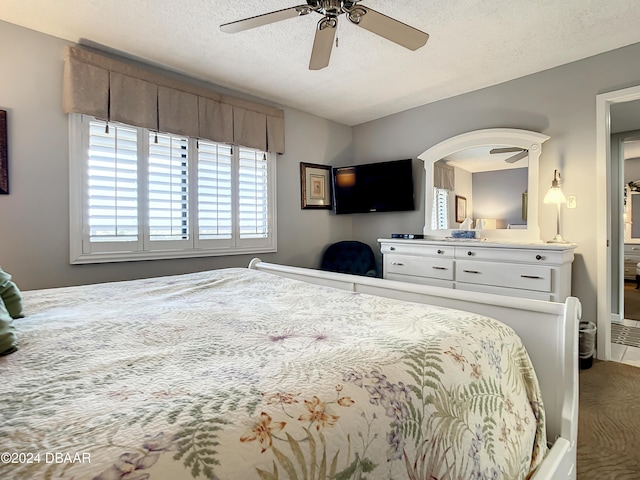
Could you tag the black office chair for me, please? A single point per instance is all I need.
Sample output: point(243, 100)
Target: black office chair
point(349, 256)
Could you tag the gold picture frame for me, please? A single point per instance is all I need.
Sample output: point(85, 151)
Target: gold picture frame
point(315, 186)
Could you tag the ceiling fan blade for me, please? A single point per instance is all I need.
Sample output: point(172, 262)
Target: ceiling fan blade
point(323, 43)
point(505, 150)
point(387, 27)
point(265, 19)
point(517, 156)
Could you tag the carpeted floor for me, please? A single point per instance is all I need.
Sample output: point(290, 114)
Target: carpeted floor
point(609, 422)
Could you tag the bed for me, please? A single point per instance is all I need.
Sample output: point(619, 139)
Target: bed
point(276, 372)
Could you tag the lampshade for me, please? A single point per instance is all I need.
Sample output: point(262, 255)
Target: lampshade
point(555, 195)
point(486, 223)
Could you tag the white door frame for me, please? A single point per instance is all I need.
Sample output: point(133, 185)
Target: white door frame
point(603, 213)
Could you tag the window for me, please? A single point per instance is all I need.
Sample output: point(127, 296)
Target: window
point(439, 216)
point(141, 195)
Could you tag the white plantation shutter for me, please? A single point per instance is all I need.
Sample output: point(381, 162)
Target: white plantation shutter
point(112, 182)
point(253, 195)
point(215, 216)
point(140, 195)
point(440, 214)
point(168, 187)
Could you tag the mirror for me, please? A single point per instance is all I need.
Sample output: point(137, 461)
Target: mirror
point(631, 213)
point(477, 171)
point(489, 176)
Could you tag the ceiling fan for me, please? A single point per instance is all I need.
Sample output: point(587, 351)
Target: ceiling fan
point(522, 152)
point(364, 17)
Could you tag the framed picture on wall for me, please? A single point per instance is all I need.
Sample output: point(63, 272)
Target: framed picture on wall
point(4, 154)
point(315, 186)
point(461, 209)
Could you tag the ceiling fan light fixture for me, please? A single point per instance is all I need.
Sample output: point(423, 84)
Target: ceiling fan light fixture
point(364, 17)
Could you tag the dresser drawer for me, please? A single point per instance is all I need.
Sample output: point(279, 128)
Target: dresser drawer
point(441, 268)
point(526, 277)
point(420, 250)
point(510, 292)
point(632, 249)
point(432, 282)
point(630, 272)
point(516, 255)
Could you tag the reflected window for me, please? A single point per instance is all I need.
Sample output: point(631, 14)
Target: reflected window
point(440, 217)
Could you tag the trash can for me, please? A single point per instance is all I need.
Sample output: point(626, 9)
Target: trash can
point(587, 341)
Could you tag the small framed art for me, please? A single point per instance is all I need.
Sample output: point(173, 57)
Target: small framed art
point(461, 209)
point(315, 186)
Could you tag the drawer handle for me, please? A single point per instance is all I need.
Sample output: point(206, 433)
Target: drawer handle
point(530, 276)
point(439, 268)
point(398, 263)
point(635, 248)
point(440, 252)
point(392, 248)
point(471, 271)
point(538, 257)
point(470, 253)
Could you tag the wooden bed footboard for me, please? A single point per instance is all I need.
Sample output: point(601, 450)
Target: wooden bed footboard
point(548, 330)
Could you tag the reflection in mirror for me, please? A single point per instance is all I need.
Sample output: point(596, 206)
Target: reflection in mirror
point(496, 172)
point(493, 180)
point(631, 214)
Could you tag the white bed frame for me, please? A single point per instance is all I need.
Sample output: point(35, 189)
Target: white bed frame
point(549, 331)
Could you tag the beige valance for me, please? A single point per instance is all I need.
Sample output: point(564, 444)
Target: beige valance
point(121, 90)
point(443, 175)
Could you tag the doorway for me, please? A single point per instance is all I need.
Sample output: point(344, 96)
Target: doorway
point(629, 157)
point(612, 109)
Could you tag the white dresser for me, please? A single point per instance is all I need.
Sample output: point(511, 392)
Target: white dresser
point(538, 271)
point(631, 259)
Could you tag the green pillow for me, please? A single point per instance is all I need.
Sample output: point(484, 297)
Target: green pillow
point(8, 340)
point(10, 295)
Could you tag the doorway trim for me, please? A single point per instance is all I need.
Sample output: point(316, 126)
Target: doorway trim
point(603, 213)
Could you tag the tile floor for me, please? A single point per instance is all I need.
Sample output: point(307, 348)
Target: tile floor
point(623, 353)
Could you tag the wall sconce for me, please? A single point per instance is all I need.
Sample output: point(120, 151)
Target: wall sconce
point(555, 195)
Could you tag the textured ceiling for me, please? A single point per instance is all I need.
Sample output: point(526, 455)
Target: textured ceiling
point(473, 44)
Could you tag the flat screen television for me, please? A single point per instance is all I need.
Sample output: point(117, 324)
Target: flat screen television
point(373, 187)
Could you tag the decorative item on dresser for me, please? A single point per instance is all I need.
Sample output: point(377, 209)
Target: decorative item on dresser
point(536, 271)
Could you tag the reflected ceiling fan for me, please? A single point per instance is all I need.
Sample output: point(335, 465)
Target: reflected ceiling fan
point(364, 17)
point(522, 152)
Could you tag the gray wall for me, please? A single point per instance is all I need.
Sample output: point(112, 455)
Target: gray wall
point(498, 195)
point(34, 218)
point(560, 102)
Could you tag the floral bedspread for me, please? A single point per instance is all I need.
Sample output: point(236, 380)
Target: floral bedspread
point(238, 374)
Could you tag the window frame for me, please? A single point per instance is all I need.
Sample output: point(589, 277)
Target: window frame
point(79, 244)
